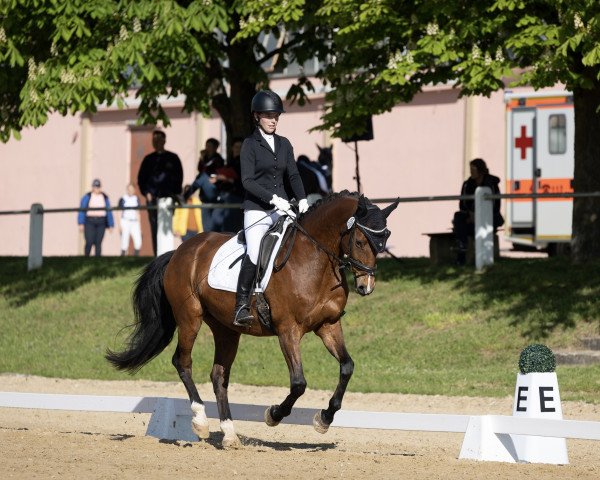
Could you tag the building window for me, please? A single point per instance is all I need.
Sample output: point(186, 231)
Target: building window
point(278, 66)
point(557, 134)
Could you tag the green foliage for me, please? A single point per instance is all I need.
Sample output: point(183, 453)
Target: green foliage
point(71, 56)
point(385, 51)
point(423, 330)
point(68, 57)
point(537, 358)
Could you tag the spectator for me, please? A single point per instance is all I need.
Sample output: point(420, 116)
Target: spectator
point(206, 183)
point(130, 222)
point(187, 222)
point(160, 176)
point(93, 223)
point(464, 219)
point(210, 161)
point(230, 190)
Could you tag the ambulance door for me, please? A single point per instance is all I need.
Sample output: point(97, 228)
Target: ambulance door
point(521, 152)
point(553, 172)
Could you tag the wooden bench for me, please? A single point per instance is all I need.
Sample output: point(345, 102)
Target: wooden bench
point(442, 248)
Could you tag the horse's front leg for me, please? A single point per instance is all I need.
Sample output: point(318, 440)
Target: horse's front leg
point(226, 346)
point(333, 339)
point(290, 346)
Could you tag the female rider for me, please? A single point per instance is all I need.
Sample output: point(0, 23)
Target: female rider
point(266, 159)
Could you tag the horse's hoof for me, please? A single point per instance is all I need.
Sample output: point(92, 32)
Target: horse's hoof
point(318, 423)
point(269, 419)
point(200, 429)
point(232, 442)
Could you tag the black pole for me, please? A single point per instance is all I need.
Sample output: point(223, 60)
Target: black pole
point(357, 177)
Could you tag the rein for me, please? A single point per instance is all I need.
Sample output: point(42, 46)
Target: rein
point(347, 261)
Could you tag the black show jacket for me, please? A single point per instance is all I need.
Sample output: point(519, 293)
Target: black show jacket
point(263, 171)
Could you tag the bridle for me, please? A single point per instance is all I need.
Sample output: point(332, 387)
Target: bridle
point(352, 225)
point(347, 260)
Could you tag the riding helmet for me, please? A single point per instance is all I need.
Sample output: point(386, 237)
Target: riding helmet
point(267, 101)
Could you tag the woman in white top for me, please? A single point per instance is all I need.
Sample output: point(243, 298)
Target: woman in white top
point(130, 222)
point(93, 223)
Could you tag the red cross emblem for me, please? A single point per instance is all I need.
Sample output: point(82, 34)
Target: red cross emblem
point(523, 142)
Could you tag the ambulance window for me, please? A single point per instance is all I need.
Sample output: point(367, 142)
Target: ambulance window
point(557, 135)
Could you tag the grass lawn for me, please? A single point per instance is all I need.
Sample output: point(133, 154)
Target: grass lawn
point(425, 330)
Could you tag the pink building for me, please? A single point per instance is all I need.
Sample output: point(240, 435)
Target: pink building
point(420, 149)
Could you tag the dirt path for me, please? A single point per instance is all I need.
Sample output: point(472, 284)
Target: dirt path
point(61, 444)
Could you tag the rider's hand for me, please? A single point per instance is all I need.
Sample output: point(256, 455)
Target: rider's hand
point(303, 205)
point(282, 205)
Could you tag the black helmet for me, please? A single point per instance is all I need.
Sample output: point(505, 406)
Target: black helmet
point(267, 101)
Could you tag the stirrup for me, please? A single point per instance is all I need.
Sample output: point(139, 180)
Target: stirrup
point(243, 320)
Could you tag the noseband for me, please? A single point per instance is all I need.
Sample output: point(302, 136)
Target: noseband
point(349, 260)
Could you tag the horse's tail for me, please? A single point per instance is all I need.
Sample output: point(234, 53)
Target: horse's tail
point(155, 324)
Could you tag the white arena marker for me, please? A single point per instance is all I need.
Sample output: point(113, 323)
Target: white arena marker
point(485, 439)
point(537, 396)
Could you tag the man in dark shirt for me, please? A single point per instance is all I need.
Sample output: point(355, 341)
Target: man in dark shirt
point(160, 176)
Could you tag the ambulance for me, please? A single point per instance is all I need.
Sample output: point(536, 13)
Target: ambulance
point(539, 159)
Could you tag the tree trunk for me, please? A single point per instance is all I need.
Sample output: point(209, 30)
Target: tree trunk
point(243, 74)
point(585, 241)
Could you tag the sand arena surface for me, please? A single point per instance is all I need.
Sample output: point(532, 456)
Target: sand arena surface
point(62, 444)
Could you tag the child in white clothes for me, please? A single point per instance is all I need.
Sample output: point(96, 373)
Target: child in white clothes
point(130, 222)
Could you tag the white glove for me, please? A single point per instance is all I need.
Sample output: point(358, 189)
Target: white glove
point(303, 205)
point(283, 206)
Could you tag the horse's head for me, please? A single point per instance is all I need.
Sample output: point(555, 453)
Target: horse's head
point(365, 236)
point(326, 161)
point(325, 156)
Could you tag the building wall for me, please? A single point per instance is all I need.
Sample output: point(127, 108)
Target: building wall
point(43, 167)
point(419, 149)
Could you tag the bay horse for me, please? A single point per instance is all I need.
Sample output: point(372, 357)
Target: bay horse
point(307, 295)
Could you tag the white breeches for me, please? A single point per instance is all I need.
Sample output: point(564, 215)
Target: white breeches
point(131, 228)
point(256, 223)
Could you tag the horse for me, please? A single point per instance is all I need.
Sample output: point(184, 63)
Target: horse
point(325, 159)
point(308, 294)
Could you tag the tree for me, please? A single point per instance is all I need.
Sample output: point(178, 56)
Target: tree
point(71, 56)
point(386, 51)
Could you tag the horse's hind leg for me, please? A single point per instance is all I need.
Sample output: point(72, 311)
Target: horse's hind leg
point(226, 346)
point(290, 346)
point(333, 339)
point(188, 322)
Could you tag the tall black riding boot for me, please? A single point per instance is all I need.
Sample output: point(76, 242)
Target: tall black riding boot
point(242, 315)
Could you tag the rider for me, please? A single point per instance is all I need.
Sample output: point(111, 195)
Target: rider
point(266, 159)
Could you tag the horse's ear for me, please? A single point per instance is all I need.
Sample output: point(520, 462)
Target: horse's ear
point(318, 146)
point(361, 209)
point(390, 208)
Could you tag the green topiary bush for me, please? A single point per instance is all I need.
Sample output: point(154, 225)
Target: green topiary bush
point(537, 358)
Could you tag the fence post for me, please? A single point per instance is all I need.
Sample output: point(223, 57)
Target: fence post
point(165, 241)
point(484, 229)
point(36, 235)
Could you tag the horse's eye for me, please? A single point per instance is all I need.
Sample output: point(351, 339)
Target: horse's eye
point(359, 243)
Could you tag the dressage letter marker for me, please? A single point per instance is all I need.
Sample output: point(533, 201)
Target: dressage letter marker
point(537, 396)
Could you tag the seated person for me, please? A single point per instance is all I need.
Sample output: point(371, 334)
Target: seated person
point(464, 219)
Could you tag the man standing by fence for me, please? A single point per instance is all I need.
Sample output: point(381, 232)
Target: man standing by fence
point(160, 176)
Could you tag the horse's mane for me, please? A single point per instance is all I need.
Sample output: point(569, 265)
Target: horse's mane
point(330, 198)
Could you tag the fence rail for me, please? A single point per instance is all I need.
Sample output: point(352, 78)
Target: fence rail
point(484, 238)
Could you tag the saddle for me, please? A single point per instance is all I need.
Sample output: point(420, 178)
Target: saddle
point(267, 247)
point(267, 251)
point(224, 268)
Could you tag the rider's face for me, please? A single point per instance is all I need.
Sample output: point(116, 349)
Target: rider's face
point(268, 121)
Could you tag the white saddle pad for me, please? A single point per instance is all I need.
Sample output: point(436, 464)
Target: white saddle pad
point(222, 277)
